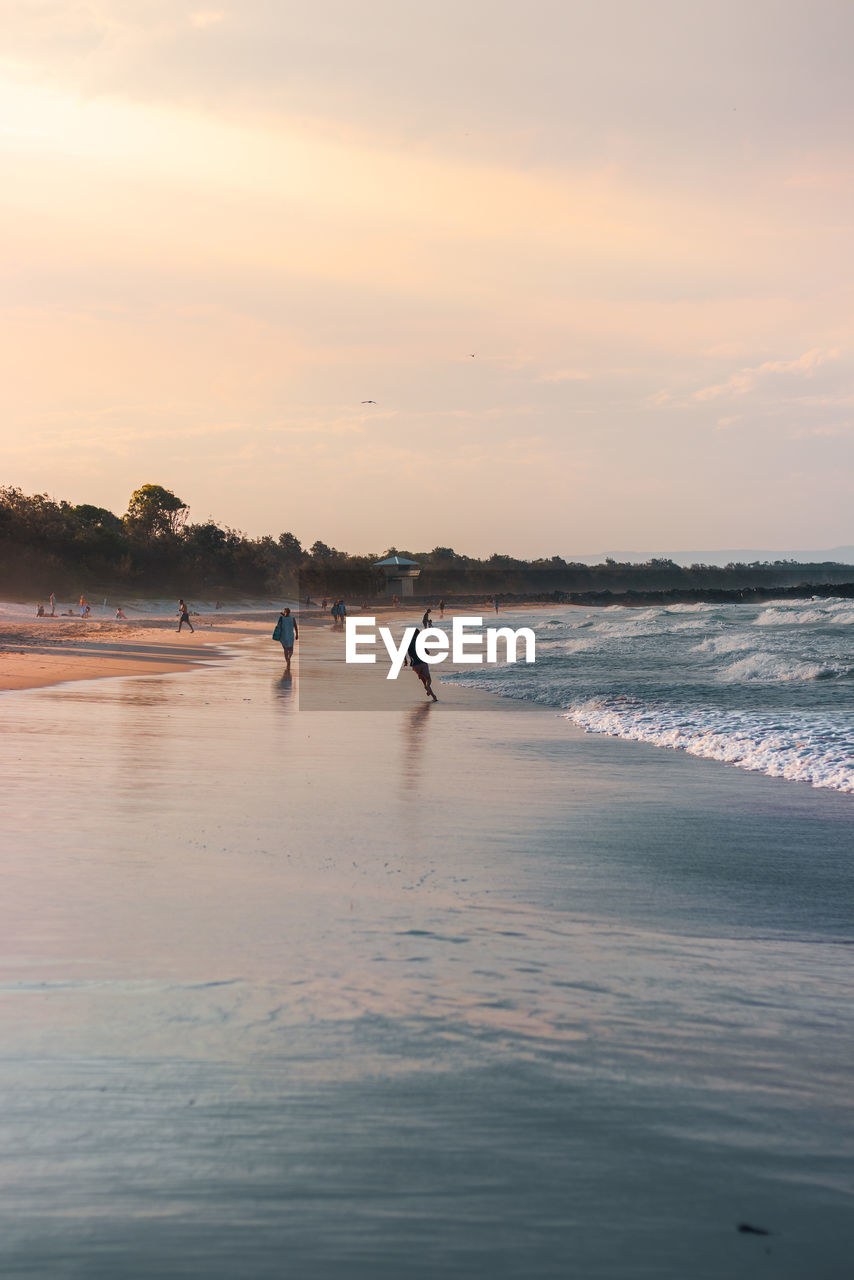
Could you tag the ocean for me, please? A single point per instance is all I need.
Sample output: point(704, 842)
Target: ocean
point(765, 687)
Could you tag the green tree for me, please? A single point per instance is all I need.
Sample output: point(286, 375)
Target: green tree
point(154, 512)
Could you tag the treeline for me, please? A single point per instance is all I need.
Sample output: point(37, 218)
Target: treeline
point(47, 545)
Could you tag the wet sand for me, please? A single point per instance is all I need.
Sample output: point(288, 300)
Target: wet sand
point(440, 989)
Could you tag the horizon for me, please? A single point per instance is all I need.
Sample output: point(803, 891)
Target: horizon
point(568, 278)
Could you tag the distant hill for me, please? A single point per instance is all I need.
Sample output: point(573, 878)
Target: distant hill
point(740, 555)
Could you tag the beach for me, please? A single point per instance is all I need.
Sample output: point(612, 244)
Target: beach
point(452, 989)
point(47, 651)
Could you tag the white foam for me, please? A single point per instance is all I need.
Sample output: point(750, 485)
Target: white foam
point(729, 642)
point(764, 698)
point(802, 750)
point(701, 607)
point(774, 667)
point(831, 612)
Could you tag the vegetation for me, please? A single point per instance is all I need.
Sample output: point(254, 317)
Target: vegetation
point(47, 545)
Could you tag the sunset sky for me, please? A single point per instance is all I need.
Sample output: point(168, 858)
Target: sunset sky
point(225, 227)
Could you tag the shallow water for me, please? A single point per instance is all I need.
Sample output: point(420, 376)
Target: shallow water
point(455, 990)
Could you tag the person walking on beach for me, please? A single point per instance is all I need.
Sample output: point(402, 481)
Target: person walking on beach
point(287, 632)
point(334, 612)
point(420, 667)
point(342, 611)
point(442, 607)
point(184, 616)
point(427, 621)
point(52, 605)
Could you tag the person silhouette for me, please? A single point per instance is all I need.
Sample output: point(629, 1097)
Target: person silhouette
point(288, 634)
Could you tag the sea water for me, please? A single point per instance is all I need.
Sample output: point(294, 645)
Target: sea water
point(453, 991)
point(765, 687)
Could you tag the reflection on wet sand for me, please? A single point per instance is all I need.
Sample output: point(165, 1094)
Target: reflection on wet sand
point(283, 687)
point(413, 725)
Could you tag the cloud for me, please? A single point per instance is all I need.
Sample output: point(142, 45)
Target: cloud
point(747, 379)
point(826, 430)
point(565, 375)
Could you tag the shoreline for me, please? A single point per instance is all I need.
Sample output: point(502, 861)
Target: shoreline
point(74, 649)
point(39, 652)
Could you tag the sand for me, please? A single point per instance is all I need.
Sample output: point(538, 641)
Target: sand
point(51, 651)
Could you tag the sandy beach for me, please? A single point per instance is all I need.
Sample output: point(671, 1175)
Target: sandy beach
point(50, 651)
point(441, 989)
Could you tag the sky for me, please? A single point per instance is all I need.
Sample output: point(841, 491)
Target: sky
point(591, 261)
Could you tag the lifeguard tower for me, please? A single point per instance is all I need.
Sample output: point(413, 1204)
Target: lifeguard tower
point(400, 574)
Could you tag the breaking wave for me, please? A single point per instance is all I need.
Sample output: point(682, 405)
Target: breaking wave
point(761, 688)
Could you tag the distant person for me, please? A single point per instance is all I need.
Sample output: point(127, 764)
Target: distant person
point(420, 667)
point(184, 616)
point(427, 621)
point(85, 611)
point(40, 611)
point(325, 604)
point(120, 617)
point(395, 602)
point(442, 607)
point(218, 604)
point(334, 611)
point(52, 605)
point(307, 600)
point(342, 611)
point(287, 632)
point(495, 603)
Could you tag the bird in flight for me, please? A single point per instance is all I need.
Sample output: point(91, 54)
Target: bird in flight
point(471, 355)
point(369, 402)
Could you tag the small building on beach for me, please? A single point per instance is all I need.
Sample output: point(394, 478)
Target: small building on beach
point(400, 575)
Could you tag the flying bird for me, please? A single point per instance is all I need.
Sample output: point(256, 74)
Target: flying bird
point(369, 402)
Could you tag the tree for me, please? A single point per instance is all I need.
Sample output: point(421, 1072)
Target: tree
point(154, 512)
point(290, 547)
point(320, 551)
point(90, 517)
